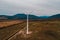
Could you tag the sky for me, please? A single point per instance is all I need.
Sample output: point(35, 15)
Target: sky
point(35, 7)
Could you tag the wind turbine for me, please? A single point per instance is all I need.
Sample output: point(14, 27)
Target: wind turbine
point(28, 22)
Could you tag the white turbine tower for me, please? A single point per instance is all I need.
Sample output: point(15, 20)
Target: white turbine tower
point(28, 22)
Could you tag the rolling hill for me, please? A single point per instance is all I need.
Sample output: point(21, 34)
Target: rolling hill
point(22, 16)
point(57, 16)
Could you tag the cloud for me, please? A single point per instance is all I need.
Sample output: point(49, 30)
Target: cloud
point(37, 7)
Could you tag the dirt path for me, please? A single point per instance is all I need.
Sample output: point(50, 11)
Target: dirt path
point(17, 33)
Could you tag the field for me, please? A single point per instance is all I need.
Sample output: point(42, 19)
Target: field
point(41, 30)
point(10, 28)
point(38, 30)
point(9, 23)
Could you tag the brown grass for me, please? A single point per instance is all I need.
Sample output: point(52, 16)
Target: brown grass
point(8, 23)
point(7, 32)
point(42, 30)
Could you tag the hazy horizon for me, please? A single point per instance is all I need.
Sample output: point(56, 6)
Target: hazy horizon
point(34, 7)
point(29, 14)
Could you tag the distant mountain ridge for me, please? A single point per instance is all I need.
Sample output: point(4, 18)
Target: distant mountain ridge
point(55, 16)
point(24, 16)
point(21, 16)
